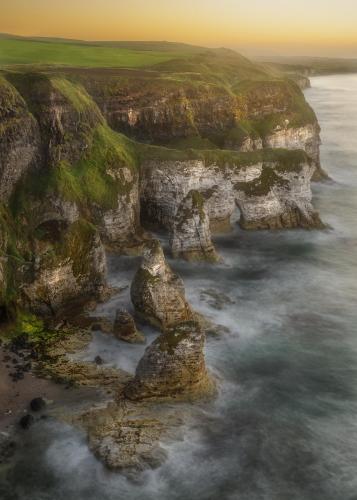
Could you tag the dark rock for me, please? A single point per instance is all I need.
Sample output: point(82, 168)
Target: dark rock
point(37, 404)
point(26, 421)
point(98, 360)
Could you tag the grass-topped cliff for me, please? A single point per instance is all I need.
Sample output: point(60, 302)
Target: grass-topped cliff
point(162, 92)
point(72, 167)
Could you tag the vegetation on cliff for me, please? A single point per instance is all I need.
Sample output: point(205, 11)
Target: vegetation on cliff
point(83, 162)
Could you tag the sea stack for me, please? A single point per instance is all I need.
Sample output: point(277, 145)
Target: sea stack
point(157, 293)
point(173, 366)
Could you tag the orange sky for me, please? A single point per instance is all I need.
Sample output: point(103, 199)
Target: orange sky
point(281, 26)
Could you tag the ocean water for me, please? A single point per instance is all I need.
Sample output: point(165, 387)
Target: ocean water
point(284, 424)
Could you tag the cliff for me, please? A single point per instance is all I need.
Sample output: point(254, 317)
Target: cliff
point(265, 185)
point(71, 181)
point(216, 98)
point(75, 189)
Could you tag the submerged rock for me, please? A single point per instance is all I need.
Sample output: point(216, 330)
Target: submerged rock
point(191, 236)
point(125, 328)
point(157, 293)
point(173, 366)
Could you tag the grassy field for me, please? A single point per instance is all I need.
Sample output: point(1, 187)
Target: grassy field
point(14, 52)
point(311, 65)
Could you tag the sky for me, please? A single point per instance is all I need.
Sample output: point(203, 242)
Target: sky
point(281, 27)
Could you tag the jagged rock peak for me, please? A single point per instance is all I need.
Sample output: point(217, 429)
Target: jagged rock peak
point(125, 328)
point(191, 236)
point(173, 366)
point(158, 293)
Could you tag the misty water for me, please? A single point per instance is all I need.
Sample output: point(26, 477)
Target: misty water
point(284, 423)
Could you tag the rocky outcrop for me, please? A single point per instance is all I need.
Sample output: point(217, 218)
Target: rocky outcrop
point(19, 139)
point(73, 270)
point(264, 185)
point(306, 138)
point(165, 183)
point(126, 435)
point(87, 175)
point(125, 328)
point(244, 114)
point(278, 199)
point(191, 235)
point(173, 366)
point(93, 165)
point(158, 293)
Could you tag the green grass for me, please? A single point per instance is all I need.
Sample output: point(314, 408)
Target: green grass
point(76, 95)
point(287, 160)
point(18, 52)
point(85, 182)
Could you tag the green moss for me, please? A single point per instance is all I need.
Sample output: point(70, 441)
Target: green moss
point(74, 92)
point(198, 203)
point(289, 107)
point(263, 184)
point(144, 276)
point(30, 332)
point(172, 338)
point(15, 252)
point(192, 142)
point(288, 160)
point(86, 182)
point(9, 97)
point(243, 129)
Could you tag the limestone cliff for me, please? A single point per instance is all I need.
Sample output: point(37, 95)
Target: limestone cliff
point(191, 234)
point(69, 184)
point(265, 185)
point(63, 169)
point(220, 98)
point(70, 265)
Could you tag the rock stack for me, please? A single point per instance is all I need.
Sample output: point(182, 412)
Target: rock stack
point(173, 366)
point(157, 293)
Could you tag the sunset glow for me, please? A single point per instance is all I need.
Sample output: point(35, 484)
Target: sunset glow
point(318, 27)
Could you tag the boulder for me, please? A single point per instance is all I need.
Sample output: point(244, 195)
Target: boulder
point(125, 328)
point(37, 404)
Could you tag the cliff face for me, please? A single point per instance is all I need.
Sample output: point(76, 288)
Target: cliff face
point(19, 139)
point(266, 186)
point(77, 271)
point(191, 235)
point(278, 198)
point(70, 184)
point(66, 176)
point(179, 109)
